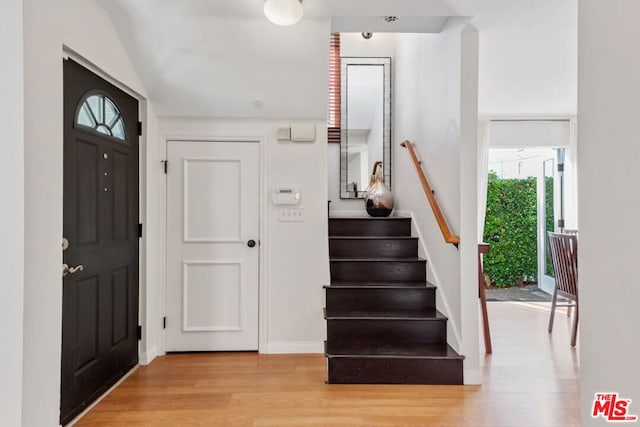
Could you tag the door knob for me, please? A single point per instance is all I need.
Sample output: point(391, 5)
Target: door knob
point(70, 270)
point(251, 243)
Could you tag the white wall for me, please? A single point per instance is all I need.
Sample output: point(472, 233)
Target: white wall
point(375, 139)
point(151, 254)
point(353, 44)
point(84, 27)
point(469, 63)
point(528, 57)
point(609, 205)
point(11, 210)
point(436, 79)
point(379, 45)
point(297, 254)
point(355, 171)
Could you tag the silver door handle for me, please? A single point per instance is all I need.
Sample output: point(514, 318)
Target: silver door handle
point(70, 270)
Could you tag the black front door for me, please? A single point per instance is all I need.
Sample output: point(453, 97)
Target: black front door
point(100, 294)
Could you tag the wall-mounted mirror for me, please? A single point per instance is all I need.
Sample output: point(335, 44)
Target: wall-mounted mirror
point(365, 123)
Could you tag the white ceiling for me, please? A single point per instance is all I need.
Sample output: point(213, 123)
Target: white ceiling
point(312, 8)
point(377, 24)
point(222, 58)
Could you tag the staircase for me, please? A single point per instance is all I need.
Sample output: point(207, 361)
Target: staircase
point(382, 322)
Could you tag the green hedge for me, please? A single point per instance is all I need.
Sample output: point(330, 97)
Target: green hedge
point(511, 230)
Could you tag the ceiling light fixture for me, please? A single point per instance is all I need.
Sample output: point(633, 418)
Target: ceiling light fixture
point(283, 12)
point(367, 35)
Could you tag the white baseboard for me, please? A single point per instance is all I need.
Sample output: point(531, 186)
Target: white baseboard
point(147, 357)
point(293, 347)
point(472, 376)
point(454, 340)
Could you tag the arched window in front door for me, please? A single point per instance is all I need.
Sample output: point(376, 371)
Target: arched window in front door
point(100, 114)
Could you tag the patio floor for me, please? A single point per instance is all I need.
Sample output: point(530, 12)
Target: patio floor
point(518, 293)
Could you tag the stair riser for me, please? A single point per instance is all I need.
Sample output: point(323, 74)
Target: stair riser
point(372, 248)
point(379, 271)
point(394, 371)
point(387, 331)
point(381, 299)
point(369, 227)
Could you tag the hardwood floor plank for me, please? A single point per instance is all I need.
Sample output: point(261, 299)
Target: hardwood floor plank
point(169, 401)
point(531, 380)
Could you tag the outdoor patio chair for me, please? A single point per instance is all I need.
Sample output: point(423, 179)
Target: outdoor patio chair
point(564, 257)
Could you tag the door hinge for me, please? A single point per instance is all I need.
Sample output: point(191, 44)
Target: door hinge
point(139, 128)
point(139, 230)
point(139, 332)
point(164, 323)
point(164, 165)
point(561, 223)
point(560, 167)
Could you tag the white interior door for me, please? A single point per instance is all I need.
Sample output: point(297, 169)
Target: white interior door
point(212, 265)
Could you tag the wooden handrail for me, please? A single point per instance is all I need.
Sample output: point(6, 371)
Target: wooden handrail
point(442, 223)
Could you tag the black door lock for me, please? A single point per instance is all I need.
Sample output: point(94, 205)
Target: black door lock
point(251, 243)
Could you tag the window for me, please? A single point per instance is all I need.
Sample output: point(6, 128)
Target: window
point(333, 119)
point(100, 114)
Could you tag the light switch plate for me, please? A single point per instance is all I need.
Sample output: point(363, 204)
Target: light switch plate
point(290, 214)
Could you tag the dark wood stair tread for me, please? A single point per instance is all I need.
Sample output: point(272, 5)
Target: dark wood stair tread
point(377, 285)
point(397, 351)
point(369, 218)
point(373, 238)
point(349, 314)
point(377, 260)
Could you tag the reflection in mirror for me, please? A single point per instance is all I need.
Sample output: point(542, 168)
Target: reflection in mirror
point(366, 120)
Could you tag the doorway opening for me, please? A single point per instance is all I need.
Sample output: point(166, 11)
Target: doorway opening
point(531, 186)
point(525, 200)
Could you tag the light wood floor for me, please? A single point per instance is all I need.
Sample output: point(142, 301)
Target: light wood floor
point(530, 380)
